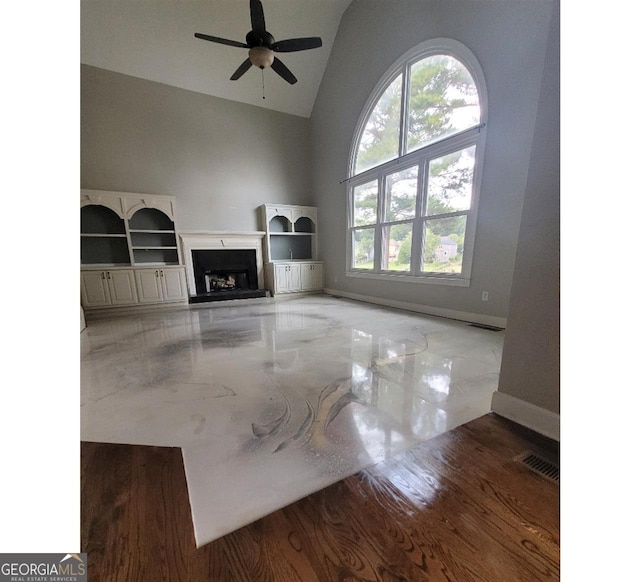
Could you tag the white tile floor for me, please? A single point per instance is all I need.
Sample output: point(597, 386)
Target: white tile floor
point(274, 400)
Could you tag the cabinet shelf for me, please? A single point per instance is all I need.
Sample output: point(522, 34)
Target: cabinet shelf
point(149, 248)
point(101, 235)
point(153, 239)
point(157, 264)
point(154, 231)
point(98, 266)
point(273, 234)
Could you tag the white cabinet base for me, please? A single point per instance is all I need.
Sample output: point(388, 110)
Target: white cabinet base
point(148, 284)
point(108, 288)
point(94, 289)
point(132, 287)
point(122, 287)
point(174, 285)
point(295, 277)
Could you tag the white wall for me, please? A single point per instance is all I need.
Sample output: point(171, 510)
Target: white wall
point(221, 159)
point(509, 41)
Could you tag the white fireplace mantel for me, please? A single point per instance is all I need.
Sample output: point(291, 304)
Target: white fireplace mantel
point(218, 240)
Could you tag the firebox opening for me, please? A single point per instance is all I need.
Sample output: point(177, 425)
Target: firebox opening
point(225, 274)
point(225, 281)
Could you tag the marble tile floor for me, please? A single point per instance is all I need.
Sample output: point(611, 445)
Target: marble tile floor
point(275, 400)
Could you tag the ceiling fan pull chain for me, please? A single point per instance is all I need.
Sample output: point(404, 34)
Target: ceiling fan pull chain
point(263, 83)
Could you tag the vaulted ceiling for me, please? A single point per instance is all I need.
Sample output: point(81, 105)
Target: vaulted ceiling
point(154, 40)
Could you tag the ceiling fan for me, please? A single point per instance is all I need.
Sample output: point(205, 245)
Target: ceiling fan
point(262, 46)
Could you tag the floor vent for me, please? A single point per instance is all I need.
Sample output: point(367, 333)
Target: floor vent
point(485, 326)
point(539, 465)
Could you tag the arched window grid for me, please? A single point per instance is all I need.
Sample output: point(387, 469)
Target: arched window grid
point(469, 63)
point(420, 158)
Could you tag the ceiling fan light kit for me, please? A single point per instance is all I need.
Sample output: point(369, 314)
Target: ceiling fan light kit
point(261, 57)
point(262, 46)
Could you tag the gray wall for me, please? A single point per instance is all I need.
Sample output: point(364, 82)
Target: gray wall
point(220, 159)
point(531, 356)
point(509, 41)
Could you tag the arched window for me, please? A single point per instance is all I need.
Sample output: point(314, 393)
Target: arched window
point(414, 168)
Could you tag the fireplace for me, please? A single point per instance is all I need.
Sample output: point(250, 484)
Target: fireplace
point(223, 265)
point(224, 270)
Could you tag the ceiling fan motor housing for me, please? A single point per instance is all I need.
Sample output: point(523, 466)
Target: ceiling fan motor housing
point(260, 38)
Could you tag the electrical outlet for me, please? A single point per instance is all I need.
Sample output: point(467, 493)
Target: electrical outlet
point(485, 295)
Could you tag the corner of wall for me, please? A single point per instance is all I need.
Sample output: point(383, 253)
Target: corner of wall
point(541, 420)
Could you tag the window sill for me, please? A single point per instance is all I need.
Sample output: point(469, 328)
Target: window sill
point(423, 279)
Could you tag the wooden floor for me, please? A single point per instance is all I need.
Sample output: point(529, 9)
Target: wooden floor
point(457, 508)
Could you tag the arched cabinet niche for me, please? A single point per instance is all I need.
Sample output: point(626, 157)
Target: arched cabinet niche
point(103, 237)
point(153, 238)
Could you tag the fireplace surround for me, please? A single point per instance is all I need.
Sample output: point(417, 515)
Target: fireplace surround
point(223, 265)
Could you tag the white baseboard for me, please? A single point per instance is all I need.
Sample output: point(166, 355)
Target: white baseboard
point(426, 309)
point(107, 312)
point(541, 420)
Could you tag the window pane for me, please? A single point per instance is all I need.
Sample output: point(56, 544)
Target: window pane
point(450, 180)
point(443, 100)
point(397, 251)
point(401, 189)
point(365, 203)
point(363, 248)
point(381, 136)
point(444, 245)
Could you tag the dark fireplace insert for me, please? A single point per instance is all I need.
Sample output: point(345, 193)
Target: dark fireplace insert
point(222, 274)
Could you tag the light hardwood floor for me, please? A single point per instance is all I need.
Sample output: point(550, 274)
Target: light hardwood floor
point(456, 507)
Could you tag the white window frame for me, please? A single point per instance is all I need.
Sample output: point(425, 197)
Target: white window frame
point(421, 157)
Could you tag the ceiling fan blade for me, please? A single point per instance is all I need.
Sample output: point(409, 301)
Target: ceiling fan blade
point(241, 70)
point(279, 67)
point(221, 40)
point(297, 44)
point(257, 16)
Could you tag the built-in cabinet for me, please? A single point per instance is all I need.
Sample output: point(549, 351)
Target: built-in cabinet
point(105, 288)
point(311, 276)
point(294, 277)
point(128, 250)
point(160, 285)
point(291, 248)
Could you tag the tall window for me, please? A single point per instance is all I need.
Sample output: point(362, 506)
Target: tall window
point(413, 190)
